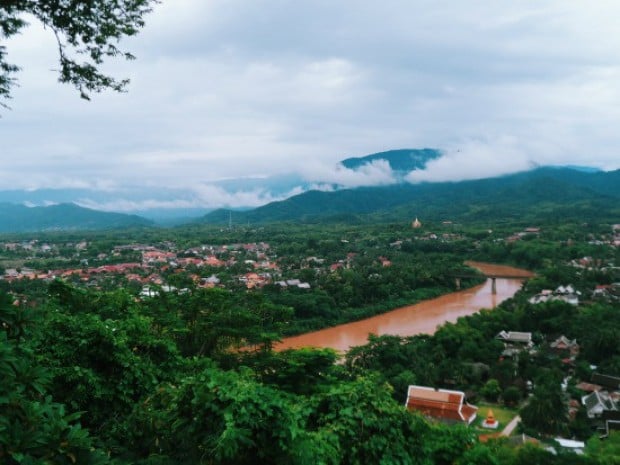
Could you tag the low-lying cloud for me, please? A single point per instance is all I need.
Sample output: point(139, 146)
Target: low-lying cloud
point(316, 176)
point(201, 196)
point(375, 173)
point(474, 160)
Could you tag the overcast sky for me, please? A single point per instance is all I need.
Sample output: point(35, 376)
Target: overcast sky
point(227, 89)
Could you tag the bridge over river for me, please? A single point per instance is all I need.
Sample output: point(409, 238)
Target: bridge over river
point(493, 272)
point(421, 318)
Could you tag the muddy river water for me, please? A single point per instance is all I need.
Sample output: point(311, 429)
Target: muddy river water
point(423, 317)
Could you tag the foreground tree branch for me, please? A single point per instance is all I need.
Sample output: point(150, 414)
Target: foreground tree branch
point(87, 32)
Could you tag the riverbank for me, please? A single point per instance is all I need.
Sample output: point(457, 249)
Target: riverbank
point(420, 318)
point(350, 315)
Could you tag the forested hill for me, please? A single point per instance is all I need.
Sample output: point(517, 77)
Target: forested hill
point(62, 217)
point(544, 193)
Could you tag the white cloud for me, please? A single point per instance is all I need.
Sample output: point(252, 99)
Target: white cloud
point(202, 196)
point(126, 205)
point(214, 196)
point(375, 173)
point(227, 89)
point(475, 160)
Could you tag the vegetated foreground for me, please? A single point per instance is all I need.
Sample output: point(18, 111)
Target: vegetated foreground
point(118, 349)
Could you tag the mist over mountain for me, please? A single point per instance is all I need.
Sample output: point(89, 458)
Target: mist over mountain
point(548, 193)
point(402, 160)
point(176, 204)
point(377, 184)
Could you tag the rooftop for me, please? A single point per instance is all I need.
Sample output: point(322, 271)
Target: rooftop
point(441, 404)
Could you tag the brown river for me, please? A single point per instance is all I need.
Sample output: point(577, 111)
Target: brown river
point(421, 318)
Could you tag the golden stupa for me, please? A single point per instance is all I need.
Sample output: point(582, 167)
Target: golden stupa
point(490, 421)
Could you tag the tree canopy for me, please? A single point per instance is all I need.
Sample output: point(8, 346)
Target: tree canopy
point(87, 32)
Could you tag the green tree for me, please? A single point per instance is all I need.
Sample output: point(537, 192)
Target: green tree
point(606, 450)
point(511, 396)
point(546, 410)
point(367, 425)
point(218, 417)
point(480, 454)
point(491, 390)
point(103, 366)
point(401, 361)
point(448, 444)
point(33, 427)
point(533, 455)
point(303, 371)
point(86, 34)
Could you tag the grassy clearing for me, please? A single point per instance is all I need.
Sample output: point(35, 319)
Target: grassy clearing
point(501, 414)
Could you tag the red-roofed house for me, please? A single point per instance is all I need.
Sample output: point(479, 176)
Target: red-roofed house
point(157, 256)
point(212, 260)
point(133, 277)
point(441, 404)
point(253, 280)
point(187, 261)
point(336, 266)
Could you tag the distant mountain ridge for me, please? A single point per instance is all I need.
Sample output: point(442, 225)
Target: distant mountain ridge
point(550, 189)
point(170, 205)
point(546, 192)
point(63, 217)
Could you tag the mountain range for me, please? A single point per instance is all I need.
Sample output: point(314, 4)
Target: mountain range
point(63, 217)
point(545, 193)
point(175, 205)
point(550, 193)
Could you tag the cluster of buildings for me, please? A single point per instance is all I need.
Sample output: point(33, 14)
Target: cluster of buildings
point(566, 294)
point(609, 292)
point(155, 262)
point(601, 400)
point(521, 234)
point(35, 245)
point(613, 240)
point(254, 263)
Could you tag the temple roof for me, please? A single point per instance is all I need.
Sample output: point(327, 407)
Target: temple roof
point(441, 404)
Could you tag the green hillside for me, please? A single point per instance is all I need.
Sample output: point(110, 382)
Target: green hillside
point(62, 217)
point(544, 193)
